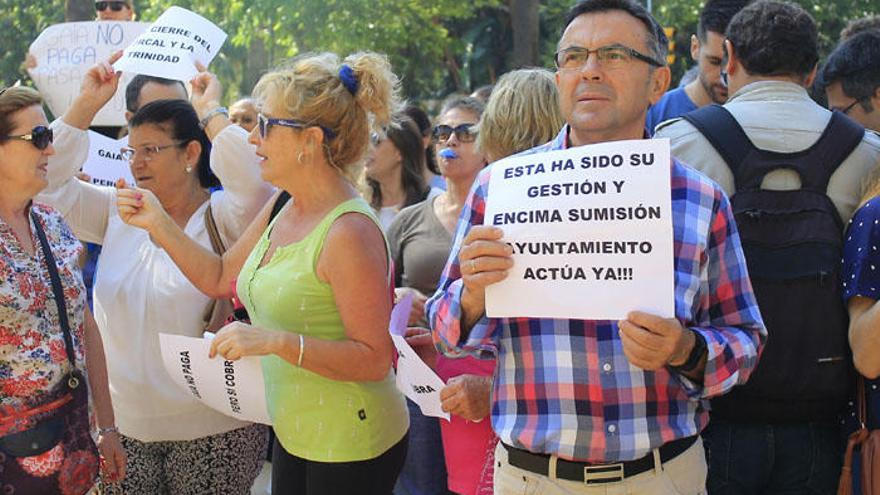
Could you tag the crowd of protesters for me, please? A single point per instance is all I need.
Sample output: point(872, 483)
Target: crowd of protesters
point(322, 199)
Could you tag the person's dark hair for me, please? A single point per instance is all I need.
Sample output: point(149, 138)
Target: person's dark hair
point(856, 26)
point(179, 120)
point(133, 90)
point(856, 64)
point(716, 16)
point(421, 119)
point(467, 103)
point(656, 39)
point(405, 136)
point(773, 38)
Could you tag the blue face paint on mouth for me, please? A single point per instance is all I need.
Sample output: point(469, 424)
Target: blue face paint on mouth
point(448, 153)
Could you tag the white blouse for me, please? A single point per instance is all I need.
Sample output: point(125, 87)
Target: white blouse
point(139, 291)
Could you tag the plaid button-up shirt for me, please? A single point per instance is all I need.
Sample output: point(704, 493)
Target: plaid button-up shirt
point(565, 387)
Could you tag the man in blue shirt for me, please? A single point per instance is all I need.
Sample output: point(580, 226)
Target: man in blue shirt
point(706, 50)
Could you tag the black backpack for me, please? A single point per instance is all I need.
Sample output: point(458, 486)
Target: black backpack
point(793, 243)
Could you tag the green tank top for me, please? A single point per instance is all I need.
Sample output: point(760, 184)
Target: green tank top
point(316, 418)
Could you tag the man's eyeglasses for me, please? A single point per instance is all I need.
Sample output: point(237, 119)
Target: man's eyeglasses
point(114, 6)
point(41, 137)
point(609, 57)
point(146, 152)
point(263, 124)
point(465, 133)
point(850, 106)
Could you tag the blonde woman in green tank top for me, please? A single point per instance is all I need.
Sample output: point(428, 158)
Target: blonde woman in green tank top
point(315, 281)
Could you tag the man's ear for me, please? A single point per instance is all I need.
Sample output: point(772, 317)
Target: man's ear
point(695, 48)
point(811, 77)
point(660, 79)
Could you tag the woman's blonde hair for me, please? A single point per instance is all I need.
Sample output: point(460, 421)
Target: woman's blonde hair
point(522, 112)
point(12, 100)
point(311, 88)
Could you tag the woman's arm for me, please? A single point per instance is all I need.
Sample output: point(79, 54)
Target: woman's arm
point(210, 273)
point(108, 441)
point(233, 160)
point(354, 262)
point(864, 335)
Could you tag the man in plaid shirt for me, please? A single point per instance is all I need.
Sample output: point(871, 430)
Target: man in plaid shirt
point(586, 406)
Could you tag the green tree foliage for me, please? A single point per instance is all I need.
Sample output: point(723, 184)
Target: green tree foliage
point(436, 46)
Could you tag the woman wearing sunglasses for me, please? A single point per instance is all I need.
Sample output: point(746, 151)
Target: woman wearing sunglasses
point(421, 238)
point(175, 444)
point(51, 354)
point(394, 169)
point(114, 10)
point(315, 281)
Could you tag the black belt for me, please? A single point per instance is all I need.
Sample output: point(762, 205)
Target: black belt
point(591, 473)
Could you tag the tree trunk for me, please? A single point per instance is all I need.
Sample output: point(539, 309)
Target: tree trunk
point(256, 64)
point(79, 10)
point(524, 25)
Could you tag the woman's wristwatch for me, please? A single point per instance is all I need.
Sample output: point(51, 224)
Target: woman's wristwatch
point(109, 429)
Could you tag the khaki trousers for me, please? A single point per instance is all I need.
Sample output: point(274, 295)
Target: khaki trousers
point(683, 475)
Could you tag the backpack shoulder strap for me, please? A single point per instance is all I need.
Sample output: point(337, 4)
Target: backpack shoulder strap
point(724, 133)
point(840, 138)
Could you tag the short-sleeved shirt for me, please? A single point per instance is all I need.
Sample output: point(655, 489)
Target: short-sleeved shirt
point(861, 277)
point(33, 356)
point(673, 104)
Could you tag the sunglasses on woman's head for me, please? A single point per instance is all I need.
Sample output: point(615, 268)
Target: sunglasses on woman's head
point(114, 6)
point(40, 136)
point(465, 133)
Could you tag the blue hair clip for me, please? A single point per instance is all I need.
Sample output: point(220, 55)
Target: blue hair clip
point(349, 80)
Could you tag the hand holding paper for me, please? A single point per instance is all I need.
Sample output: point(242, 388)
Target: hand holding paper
point(172, 45)
point(237, 340)
point(467, 396)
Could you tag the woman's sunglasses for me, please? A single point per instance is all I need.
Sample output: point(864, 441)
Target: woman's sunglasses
point(466, 133)
point(40, 136)
point(114, 6)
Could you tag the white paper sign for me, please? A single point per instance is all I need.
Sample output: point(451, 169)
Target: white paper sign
point(65, 52)
point(172, 45)
point(415, 379)
point(105, 163)
point(591, 232)
point(234, 388)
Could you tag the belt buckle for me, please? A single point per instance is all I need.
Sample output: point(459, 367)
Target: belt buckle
point(603, 473)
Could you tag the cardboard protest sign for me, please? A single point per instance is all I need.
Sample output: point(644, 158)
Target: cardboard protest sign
point(234, 388)
point(105, 163)
point(65, 52)
point(172, 45)
point(591, 232)
point(415, 379)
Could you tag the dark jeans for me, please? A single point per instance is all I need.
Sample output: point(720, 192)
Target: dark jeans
point(765, 459)
point(292, 475)
point(424, 472)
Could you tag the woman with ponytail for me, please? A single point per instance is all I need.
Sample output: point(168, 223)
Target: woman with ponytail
point(316, 281)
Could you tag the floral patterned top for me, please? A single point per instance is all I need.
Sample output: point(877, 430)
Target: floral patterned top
point(33, 358)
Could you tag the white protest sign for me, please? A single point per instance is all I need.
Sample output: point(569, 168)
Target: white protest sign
point(105, 163)
point(591, 232)
point(415, 379)
point(65, 52)
point(234, 388)
point(172, 45)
